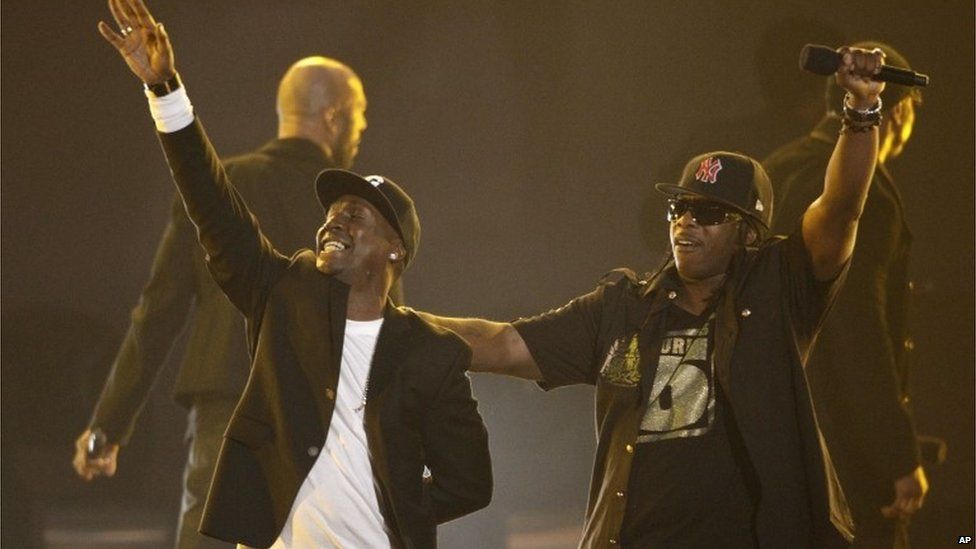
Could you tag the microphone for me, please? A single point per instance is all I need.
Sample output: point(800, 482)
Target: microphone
point(824, 60)
point(97, 444)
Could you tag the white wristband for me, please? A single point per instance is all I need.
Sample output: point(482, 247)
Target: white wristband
point(171, 112)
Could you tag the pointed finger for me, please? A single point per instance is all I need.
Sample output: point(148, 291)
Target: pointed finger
point(101, 463)
point(142, 14)
point(163, 38)
point(125, 8)
point(878, 59)
point(128, 15)
point(845, 57)
point(118, 14)
point(110, 35)
point(859, 63)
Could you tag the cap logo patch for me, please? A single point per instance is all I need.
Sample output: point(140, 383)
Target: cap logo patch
point(759, 206)
point(708, 170)
point(375, 180)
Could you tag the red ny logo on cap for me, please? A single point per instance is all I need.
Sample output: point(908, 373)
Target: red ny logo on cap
point(708, 170)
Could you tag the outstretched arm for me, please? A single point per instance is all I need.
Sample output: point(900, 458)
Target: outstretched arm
point(496, 347)
point(240, 258)
point(830, 223)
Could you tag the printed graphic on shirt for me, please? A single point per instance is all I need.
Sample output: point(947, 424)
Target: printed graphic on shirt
point(622, 365)
point(682, 399)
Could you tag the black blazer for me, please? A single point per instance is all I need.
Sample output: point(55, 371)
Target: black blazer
point(419, 408)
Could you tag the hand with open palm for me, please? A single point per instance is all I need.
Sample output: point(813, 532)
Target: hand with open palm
point(141, 41)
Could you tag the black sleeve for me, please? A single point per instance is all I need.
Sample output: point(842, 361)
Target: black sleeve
point(242, 261)
point(808, 299)
point(156, 322)
point(456, 446)
point(564, 342)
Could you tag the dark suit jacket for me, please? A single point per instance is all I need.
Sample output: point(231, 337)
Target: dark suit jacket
point(858, 369)
point(419, 407)
point(277, 182)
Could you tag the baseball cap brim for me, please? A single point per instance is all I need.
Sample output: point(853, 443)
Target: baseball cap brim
point(670, 189)
point(332, 184)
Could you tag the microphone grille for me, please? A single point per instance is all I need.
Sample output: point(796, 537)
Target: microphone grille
point(819, 59)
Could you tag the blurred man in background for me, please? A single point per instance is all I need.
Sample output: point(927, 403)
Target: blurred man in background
point(859, 370)
point(321, 117)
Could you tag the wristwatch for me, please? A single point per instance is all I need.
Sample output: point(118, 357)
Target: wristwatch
point(165, 88)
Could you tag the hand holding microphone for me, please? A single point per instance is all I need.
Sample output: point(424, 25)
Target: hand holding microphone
point(94, 455)
point(825, 61)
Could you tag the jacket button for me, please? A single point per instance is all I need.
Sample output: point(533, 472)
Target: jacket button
point(629, 448)
point(909, 344)
point(620, 494)
point(613, 541)
point(313, 451)
point(745, 313)
point(330, 394)
point(672, 294)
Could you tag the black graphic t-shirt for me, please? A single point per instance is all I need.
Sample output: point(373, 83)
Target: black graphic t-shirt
point(686, 488)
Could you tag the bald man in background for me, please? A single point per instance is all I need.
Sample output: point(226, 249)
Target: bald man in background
point(321, 116)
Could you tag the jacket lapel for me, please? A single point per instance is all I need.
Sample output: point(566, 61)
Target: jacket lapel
point(324, 369)
point(388, 357)
point(391, 346)
point(657, 291)
point(726, 334)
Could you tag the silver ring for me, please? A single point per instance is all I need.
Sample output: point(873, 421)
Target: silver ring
point(126, 31)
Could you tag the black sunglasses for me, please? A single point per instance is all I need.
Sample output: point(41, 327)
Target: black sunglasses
point(702, 212)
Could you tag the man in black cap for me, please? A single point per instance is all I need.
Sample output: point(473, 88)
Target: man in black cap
point(706, 435)
point(858, 371)
point(321, 117)
point(357, 427)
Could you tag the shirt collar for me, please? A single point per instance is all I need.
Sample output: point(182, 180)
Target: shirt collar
point(298, 148)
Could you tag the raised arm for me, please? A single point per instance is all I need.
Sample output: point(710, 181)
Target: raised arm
point(240, 258)
point(830, 223)
point(496, 347)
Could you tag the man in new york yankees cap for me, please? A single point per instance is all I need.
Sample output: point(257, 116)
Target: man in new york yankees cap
point(728, 186)
point(357, 427)
point(706, 432)
point(732, 179)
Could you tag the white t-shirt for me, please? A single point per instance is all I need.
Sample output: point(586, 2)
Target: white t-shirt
point(337, 504)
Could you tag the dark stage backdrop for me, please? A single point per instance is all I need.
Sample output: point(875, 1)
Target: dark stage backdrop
point(529, 134)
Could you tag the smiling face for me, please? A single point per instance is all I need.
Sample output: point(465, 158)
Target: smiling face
point(355, 242)
point(701, 251)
